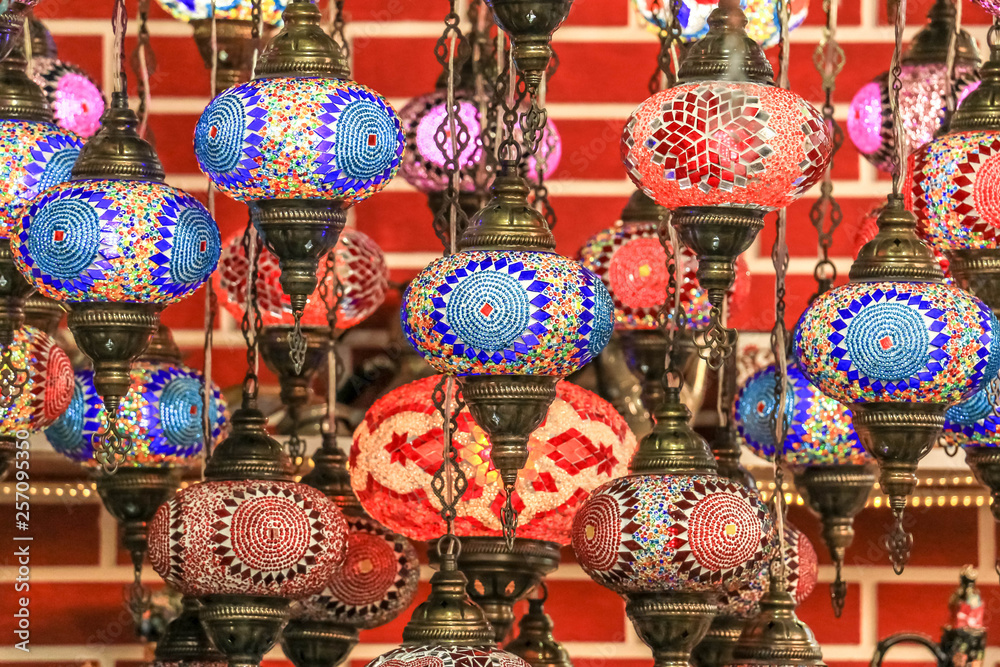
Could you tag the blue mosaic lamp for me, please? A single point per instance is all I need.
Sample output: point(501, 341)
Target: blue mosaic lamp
point(115, 244)
point(509, 317)
point(974, 426)
point(899, 347)
point(301, 144)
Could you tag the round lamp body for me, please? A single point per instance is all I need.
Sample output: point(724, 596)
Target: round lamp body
point(360, 270)
point(238, 10)
point(898, 342)
point(34, 156)
point(972, 423)
point(763, 17)
point(452, 656)
point(510, 312)
point(77, 103)
point(632, 264)
point(733, 144)
point(48, 388)
point(582, 444)
point(265, 538)
point(377, 582)
point(656, 532)
point(953, 190)
point(820, 431)
point(161, 415)
point(922, 102)
point(116, 241)
point(299, 138)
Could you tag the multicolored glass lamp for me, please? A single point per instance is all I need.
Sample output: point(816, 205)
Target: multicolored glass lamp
point(925, 87)
point(954, 183)
point(673, 536)
point(974, 426)
point(899, 346)
point(509, 318)
point(724, 147)
point(376, 584)
point(529, 24)
point(582, 443)
point(115, 244)
point(832, 469)
point(301, 144)
point(233, 33)
point(762, 18)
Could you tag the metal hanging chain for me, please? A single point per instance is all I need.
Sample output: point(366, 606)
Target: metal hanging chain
point(137, 597)
point(716, 341)
point(539, 192)
point(251, 323)
point(512, 91)
point(951, 67)
point(665, 75)
point(211, 299)
point(119, 25)
point(825, 213)
point(332, 298)
point(337, 29)
point(256, 31)
point(672, 319)
point(144, 66)
point(483, 73)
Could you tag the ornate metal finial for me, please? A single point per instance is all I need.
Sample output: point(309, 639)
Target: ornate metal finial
point(535, 643)
point(672, 447)
point(249, 452)
point(302, 48)
point(980, 110)
point(508, 221)
point(185, 641)
point(530, 24)
point(896, 253)
point(20, 97)
point(931, 43)
point(330, 475)
point(726, 53)
point(776, 636)
point(117, 151)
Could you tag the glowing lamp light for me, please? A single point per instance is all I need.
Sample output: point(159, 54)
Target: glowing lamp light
point(582, 443)
point(359, 266)
point(762, 16)
point(77, 103)
point(820, 431)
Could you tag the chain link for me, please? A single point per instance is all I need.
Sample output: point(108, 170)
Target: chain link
point(672, 319)
point(337, 29)
point(138, 598)
point(449, 482)
point(251, 322)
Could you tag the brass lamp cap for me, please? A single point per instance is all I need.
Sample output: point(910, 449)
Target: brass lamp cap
point(448, 616)
point(981, 109)
point(249, 452)
point(20, 97)
point(642, 208)
point(726, 53)
point(508, 221)
point(162, 347)
point(930, 44)
point(302, 48)
point(42, 44)
point(534, 642)
point(776, 637)
point(117, 151)
point(672, 447)
point(896, 253)
point(330, 476)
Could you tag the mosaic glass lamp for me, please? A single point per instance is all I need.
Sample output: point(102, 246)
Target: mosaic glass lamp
point(673, 535)
point(953, 186)
point(233, 28)
point(992, 6)
point(763, 18)
point(899, 347)
point(974, 426)
point(115, 244)
point(508, 317)
point(377, 582)
point(582, 443)
point(301, 143)
point(724, 147)
point(923, 96)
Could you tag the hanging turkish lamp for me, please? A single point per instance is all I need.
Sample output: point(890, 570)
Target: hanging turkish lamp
point(534, 642)
point(529, 24)
point(762, 18)
point(115, 244)
point(673, 535)
point(234, 54)
point(926, 86)
point(952, 184)
point(12, 16)
point(346, 140)
point(377, 582)
point(509, 317)
point(721, 149)
point(899, 347)
point(185, 644)
point(46, 378)
point(974, 426)
point(582, 443)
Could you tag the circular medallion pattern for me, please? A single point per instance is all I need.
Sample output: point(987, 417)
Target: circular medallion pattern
point(65, 239)
point(219, 134)
point(888, 341)
point(269, 534)
point(366, 139)
point(723, 531)
point(181, 408)
point(58, 168)
point(368, 573)
point(489, 309)
point(196, 247)
point(637, 273)
point(599, 538)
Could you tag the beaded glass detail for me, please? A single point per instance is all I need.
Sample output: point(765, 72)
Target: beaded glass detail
point(953, 190)
point(116, 241)
point(377, 582)
point(897, 342)
point(762, 17)
point(299, 138)
point(248, 538)
point(161, 414)
point(238, 10)
point(820, 431)
point(631, 262)
point(582, 443)
point(34, 156)
point(360, 267)
point(48, 387)
point(647, 533)
point(725, 144)
point(801, 574)
point(76, 101)
point(991, 6)
point(507, 312)
point(972, 423)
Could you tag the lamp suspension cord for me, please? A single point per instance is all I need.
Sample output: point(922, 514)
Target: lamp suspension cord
point(951, 68)
point(211, 299)
point(143, 65)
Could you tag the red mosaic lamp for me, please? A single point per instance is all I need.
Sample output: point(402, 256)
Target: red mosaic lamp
point(581, 443)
